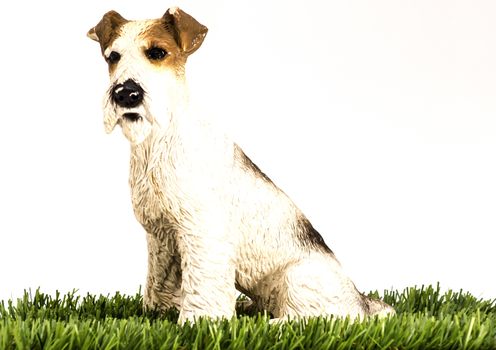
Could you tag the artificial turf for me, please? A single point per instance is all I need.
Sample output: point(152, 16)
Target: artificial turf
point(426, 319)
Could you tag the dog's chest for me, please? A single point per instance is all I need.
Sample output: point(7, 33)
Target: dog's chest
point(154, 199)
point(148, 199)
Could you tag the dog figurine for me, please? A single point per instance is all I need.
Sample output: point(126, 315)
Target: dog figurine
point(215, 223)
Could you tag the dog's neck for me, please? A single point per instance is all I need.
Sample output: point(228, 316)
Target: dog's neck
point(168, 142)
point(190, 137)
point(156, 146)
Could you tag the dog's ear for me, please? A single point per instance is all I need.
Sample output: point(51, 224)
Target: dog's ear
point(187, 31)
point(106, 29)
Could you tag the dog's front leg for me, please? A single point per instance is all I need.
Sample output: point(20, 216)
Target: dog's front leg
point(208, 276)
point(163, 283)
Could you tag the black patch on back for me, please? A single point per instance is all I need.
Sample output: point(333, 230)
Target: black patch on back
point(249, 165)
point(309, 236)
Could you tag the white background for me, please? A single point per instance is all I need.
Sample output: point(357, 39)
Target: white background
point(378, 118)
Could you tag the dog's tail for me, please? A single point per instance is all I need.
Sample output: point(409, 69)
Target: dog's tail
point(377, 307)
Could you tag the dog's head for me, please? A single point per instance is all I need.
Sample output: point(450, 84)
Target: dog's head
point(146, 65)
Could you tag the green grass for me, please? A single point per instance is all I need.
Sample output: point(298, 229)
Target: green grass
point(426, 319)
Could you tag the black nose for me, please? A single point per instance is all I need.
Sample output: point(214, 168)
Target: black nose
point(128, 95)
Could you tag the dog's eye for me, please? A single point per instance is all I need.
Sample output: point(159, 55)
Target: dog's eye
point(156, 53)
point(114, 57)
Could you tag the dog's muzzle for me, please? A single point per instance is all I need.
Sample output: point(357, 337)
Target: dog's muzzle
point(128, 94)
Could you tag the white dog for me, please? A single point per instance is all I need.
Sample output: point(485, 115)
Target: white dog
point(215, 223)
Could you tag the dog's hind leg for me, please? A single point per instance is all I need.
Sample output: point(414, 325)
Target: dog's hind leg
point(316, 286)
point(163, 285)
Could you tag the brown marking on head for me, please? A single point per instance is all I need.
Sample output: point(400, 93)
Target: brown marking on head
point(176, 33)
point(107, 30)
point(159, 36)
point(187, 31)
